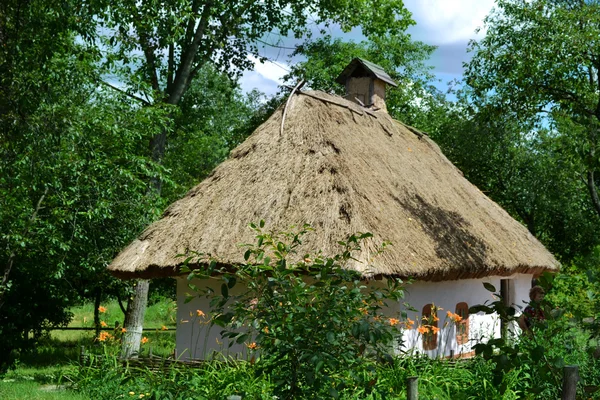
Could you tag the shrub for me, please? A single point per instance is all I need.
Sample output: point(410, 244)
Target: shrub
point(531, 365)
point(310, 321)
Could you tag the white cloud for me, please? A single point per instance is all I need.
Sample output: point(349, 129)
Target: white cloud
point(271, 70)
point(448, 21)
point(448, 24)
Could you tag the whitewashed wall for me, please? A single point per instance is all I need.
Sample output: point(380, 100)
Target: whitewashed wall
point(447, 295)
point(196, 339)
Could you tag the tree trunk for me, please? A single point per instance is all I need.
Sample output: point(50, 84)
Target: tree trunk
point(136, 307)
point(593, 192)
point(97, 299)
point(134, 320)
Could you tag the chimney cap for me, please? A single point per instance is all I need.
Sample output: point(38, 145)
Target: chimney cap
point(374, 70)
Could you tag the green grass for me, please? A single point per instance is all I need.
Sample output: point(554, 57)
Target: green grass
point(157, 315)
point(39, 371)
point(34, 391)
point(37, 383)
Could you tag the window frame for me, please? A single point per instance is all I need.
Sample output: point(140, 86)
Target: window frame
point(429, 339)
point(462, 326)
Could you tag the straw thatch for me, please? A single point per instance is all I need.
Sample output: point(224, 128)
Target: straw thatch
point(342, 170)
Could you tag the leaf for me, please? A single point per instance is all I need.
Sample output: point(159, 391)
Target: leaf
point(558, 362)
point(242, 338)
point(489, 287)
point(319, 366)
point(330, 337)
point(232, 281)
point(224, 291)
point(334, 393)
point(537, 353)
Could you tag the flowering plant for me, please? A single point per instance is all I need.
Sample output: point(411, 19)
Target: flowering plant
point(307, 320)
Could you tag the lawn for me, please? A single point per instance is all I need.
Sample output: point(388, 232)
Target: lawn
point(38, 373)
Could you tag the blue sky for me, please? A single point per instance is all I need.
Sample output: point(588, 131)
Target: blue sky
point(447, 24)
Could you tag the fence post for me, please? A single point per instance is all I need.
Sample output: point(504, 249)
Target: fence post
point(82, 355)
point(412, 388)
point(570, 378)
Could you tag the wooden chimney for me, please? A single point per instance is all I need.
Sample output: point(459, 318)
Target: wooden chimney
point(365, 83)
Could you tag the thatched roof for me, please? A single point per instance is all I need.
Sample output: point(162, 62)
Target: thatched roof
point(342, 170)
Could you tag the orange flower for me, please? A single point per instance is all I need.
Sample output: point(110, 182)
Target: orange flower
point(104, 336)
point(454, 317)
point(423, 329)
point(266, 329)
point(252, 346)
point(164, 328)
point(435, 329)
point(435, 317)
point(123, 330)
point(145, 340)
point(393, 321)
point(102, 309)
point(200, 313)
point(409, 323)
point(103, 324)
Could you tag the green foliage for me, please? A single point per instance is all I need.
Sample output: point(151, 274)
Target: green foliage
point(311, 318)
point(107, 378)
point(537, 62)
point(177, 41)
point(415, 101)
point(523, 167)
point(19, 390)
point(531, 365)
point(212, 118)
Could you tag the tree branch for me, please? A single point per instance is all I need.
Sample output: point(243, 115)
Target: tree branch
point(170, 66)
point(148, 50)
point(182, 76)
point(124, 92)
point(563, 94)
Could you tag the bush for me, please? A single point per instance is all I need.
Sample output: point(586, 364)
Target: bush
point(107, 378)
point(307, 322)
point(531, 365)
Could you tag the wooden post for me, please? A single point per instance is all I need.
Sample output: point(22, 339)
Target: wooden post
point(570, 378)
point(412, 388)
point(82, 355)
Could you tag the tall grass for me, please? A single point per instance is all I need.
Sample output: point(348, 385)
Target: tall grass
point(57, 355)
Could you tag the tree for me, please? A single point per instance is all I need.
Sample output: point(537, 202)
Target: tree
point(540, 61)
point(178, 38)
point(72, 171)
point(415, 101)
point(523, 168)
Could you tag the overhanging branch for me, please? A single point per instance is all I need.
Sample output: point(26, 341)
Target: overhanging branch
point(124, 92)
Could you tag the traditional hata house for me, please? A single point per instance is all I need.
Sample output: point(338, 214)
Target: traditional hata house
point(343, 165)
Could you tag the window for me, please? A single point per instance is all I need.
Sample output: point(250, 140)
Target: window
point(462, 326)
point(429, 327)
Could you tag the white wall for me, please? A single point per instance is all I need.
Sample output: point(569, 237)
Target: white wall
point(196, 339)
point(447, 295)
